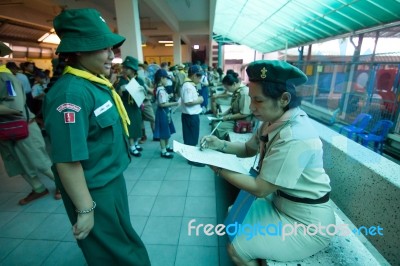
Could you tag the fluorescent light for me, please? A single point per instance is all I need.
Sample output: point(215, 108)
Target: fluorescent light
point(169, 44)
point(50, 37)
point(196, 47)
point(117, 60)
point(165, 41)
point(144, 45)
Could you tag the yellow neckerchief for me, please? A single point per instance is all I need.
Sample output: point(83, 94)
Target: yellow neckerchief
point(102, 80)
point(189, 80)
point(4, 69)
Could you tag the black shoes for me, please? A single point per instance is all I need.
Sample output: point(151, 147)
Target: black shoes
point(196, 164)
point(135, 153)
point(167, 155)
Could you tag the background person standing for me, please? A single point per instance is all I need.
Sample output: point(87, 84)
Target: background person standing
point(191, 108)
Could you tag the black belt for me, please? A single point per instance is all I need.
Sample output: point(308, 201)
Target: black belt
point(323, 199)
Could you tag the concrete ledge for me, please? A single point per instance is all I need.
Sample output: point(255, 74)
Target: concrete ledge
point(366, 187)
point(343, 250)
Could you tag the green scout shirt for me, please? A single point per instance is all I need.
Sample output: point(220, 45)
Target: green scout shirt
point(84, 125)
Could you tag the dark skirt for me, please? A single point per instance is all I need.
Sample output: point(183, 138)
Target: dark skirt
point(164, 127)
point(112, 241)
point(135, 115)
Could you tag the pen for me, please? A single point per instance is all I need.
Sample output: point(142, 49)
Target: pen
point(212, 132)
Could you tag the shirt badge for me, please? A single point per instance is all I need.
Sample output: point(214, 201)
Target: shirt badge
point(69, 106)
point(69, 117)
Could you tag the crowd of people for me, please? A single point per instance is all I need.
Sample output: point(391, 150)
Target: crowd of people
point(94, 127)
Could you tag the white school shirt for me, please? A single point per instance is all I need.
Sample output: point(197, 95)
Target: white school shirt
point(190, 94)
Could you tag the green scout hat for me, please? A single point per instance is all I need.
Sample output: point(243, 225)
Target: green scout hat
point(275, 71)
point(4, 49)
point(131, 62)
point(84, 30)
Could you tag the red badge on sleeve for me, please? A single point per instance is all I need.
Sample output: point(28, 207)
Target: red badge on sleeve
point(69, 117)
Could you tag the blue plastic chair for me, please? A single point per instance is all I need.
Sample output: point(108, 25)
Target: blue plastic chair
point(378, 135)
point(358, 125)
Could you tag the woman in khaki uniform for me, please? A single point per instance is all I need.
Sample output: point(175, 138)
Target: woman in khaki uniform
point(240, 106)
point(291, 186)
point(26, 157)
point(88, 127)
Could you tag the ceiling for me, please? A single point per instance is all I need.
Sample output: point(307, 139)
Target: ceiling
point(23, 22)
point(269, 26)
point(264, 25)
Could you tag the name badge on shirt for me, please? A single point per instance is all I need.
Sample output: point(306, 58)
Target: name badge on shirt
point(103, 108)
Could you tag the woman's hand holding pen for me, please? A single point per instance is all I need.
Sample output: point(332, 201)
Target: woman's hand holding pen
point(211, 142)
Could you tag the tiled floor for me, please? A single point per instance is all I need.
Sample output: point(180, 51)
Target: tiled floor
point(164, 195)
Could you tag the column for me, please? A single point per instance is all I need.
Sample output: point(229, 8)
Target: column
point(128, 22)
point(176, 37)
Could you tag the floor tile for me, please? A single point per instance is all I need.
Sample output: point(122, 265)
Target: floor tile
point(58, 256)
point(140, 205)
point(30, 252)
point(7, 245)
point(133, 173)
point(162, 255)
point(168, 206)
point(138, 223)
point(202, 174)
point(200, 207)
point(201, 188)
point(177, 174)
point(162, 230)
point(11, 203)
point(174, 188)
point(54, 227)
point(42, 205)
point(146, 188)
point(153, 173)
point(5, 217)
point(160, 162)
point(196, 256)
point(22, 225)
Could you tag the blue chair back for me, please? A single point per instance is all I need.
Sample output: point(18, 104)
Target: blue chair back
point(362, 120)
point(382, 128)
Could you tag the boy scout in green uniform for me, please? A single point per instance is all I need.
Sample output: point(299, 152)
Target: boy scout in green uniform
point(87, 127)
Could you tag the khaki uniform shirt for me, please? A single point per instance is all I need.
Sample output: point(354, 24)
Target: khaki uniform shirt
point(293, 158)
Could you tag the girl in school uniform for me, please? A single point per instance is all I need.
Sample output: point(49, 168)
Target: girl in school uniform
point(164, 127)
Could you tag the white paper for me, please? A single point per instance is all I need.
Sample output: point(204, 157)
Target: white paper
point(212, 118)
point(210, 157)
point(136, 91)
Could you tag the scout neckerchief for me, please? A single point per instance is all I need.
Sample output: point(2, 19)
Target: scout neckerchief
point(236, 94)
point(102, 80)
point(4, 69)
point(188, 80)
point(268, 128)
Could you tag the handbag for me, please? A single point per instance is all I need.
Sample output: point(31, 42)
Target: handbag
point(15, 130)
point(243, 126)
